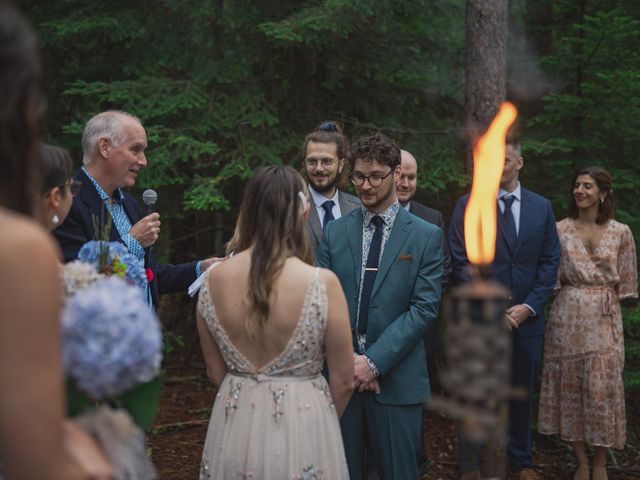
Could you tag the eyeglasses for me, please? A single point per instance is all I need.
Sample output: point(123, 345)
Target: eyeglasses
point(74, 186)
point(375, 180)
point(325, 162)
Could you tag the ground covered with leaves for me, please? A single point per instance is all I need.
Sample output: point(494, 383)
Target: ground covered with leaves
point(177, 437)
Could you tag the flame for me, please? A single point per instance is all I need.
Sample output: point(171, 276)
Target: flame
point(488, 162)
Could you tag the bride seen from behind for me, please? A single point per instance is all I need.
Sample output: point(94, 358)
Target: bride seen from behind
point(267, 321)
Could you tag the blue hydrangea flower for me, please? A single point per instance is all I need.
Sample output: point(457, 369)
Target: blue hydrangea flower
point(135, 271)
point(111, 338)
point(90, 253)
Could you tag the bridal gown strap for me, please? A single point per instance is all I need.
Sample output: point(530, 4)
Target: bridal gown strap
point(278, 420)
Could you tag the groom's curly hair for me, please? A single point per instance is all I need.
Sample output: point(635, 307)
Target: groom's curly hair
point(376, 147)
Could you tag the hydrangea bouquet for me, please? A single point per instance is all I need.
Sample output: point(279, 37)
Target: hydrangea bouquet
point(111, 337)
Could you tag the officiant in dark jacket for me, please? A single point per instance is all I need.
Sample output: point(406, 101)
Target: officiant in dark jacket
point(113, 145)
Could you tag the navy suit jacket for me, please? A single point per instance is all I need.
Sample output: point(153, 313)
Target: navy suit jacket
point(77, 229)
point(404, 299)
point(529, 271)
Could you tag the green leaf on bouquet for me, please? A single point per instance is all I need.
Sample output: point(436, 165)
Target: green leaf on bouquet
point(140, 402)
point(78, 402)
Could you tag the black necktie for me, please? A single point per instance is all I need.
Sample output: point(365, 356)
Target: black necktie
point(328, 214)
point(509, 220)
point(370, 271)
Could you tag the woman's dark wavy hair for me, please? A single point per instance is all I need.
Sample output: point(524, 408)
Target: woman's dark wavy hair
point(272, 221)
point(19, 83)
point(57, 167)
point(604, 182)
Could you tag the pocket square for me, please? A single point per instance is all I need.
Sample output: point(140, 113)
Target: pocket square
point(405, 257)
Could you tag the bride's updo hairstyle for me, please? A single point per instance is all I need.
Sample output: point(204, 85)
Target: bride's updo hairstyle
point(272, 220)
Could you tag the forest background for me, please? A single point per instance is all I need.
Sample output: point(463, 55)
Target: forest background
point(224, 87)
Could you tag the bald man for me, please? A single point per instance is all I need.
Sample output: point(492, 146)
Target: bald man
point(406, 189)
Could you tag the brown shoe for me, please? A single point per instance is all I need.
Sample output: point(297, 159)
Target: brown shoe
point(473, 475)
point(524, 474)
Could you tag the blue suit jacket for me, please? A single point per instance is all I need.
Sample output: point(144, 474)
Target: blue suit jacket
point(529, 271)
point(78, 229)
point(404, 300)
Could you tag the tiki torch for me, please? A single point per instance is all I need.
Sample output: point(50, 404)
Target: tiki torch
point(476, 339)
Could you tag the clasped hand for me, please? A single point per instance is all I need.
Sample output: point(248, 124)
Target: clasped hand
point(363, 377)
point(517, 314)
point(146, 230)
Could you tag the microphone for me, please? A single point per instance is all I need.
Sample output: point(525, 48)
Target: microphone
point(149, 197)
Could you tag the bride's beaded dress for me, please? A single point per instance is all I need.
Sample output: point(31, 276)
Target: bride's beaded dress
point(277, 421)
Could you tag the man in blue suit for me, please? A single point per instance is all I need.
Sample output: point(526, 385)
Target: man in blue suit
point(526, 261)
point(113, 146)
point(389, 263)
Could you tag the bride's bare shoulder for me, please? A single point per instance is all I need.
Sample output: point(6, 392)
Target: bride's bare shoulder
point(23, 240)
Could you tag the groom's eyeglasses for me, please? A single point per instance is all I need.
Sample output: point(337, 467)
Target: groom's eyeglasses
point(375, 180)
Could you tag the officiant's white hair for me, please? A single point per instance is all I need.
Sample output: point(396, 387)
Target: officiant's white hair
point(104, 125)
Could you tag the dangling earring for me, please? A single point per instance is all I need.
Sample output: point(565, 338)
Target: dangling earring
point(55, 219)
point(601, 200)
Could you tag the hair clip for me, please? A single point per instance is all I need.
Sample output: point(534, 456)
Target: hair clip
point(328, 127)
point(304, 203)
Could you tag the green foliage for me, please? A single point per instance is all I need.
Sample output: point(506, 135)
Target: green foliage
point(592, 117)
point(225, 87)
point(631, 379)
point(631, 323)
point(170, 341)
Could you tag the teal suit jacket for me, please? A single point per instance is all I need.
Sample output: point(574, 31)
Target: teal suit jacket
point(404, 300)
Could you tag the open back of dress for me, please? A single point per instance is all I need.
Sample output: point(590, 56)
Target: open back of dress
point(277, 421)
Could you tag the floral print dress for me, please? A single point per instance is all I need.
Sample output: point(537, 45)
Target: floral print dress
point(582, 395)
point(279, 421)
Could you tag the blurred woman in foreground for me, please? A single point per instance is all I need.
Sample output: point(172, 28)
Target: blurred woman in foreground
point(35, 440)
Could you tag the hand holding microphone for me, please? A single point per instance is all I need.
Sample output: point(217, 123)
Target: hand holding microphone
point(147, 229)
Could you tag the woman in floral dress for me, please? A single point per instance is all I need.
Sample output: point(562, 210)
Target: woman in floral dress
point(582, 395)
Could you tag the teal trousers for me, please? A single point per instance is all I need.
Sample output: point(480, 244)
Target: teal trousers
point(392, 432)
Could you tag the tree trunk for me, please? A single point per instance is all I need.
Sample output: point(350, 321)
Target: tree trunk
point(485, 66)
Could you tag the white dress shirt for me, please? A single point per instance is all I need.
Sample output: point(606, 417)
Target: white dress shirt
point(515, 206)
point(319, 199)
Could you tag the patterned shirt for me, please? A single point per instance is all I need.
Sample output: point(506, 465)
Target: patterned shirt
point(388, 217)
point(115, 207)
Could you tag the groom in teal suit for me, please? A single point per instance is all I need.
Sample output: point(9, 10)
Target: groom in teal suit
point(389, 263)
